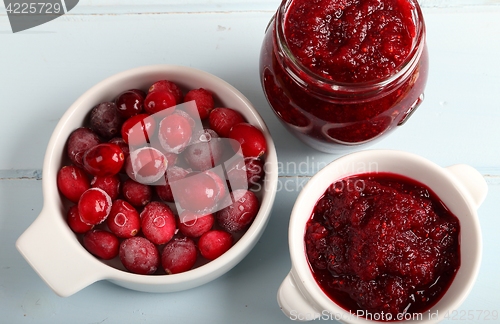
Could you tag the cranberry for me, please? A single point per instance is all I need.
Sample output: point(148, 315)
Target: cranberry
point(137, 194)
point(168, 86)
point(72, 182)
point(179, 255)
point(80, 140)
point(157, 101)
point(195, 225)
point(122, 144)
point(204, 103)
point(105, 120)
point(146, 165)
point(138, 129)
point(139, 255)
point(129, 103)
point(123, 219)
point(245, 173)
point(110, 184)
point(218, 176)
point(174, 133)
point(104, 159)
point(158, 222)
point(173, 174)
point(94, 206)
point(198, 193)
point(222, 120)
point(251, 139)
point(214, 243)
point(75, 222)
point(101, 243)
point(242, 207)
point(206, 150)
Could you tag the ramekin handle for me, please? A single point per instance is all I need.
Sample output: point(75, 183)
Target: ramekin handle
point(58, 258)
point(293, 303)
point(472, 181)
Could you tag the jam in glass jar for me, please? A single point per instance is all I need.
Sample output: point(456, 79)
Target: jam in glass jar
point(340, 74)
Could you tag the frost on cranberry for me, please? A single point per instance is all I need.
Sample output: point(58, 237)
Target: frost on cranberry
point(105, 120)
point(173, 174)
point(174, 133)
point(204, 102)
point(168, 86)
point(80, 140)
point(101, 243)
point(194, 224)
point(222, 120)
point(205, 151)
point(241, 211)
point(245, 173)
point(179, 255)
point(123, 219)
point(158, 222)
point(72, 182)
point(75, 222)
point(146, 165)
point(137, 194)
point(214, 243)
point(103, 160)
point(94, 206)
point(198, 193)
point(139, 255)
point(110, 184)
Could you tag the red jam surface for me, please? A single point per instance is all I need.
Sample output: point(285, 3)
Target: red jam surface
point(381, 243)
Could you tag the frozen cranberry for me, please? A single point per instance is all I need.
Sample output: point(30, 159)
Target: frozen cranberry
point(174, 133)
point(101, 243)
point(123, 219)
point(80, 140)
point(75, 222)
point(179, 255)
point(138, 129)
point(173, 174)
point(139, 255)
point(94, 206)
point(171, 159)
point(197, 193)
point(103, 160)
point(241, 211)
point(105, 120)
point(168, 86)
point(137, 194)
point(245, 173)
point(158, 222)
point(110, 184)
point(146, 165)
point(204, 102)
point(206, 150)
point(122, 144)
point(218, 176)
point(222, 119)
point(157, 101)
point(251, 139)
point(72, 182)
point(129, 103)
point(214, 243)
point(195, 225)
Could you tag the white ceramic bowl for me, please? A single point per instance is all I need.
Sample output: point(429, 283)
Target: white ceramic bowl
point(54, 251)
point(461, 188)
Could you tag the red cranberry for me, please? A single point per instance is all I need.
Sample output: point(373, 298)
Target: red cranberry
point(103, 160)
point(138, 129)
point(241, 211)
point(146, 165)
point(75, 222)
point(246, 173)
point(174, 133)
point(222, 119)
point(214, 243)
point(122, 144)
point(205, 152)
point(80, 140)
point(139, 255)
point(123, 219)
point(195, 225)
point(137, 194)
point(179, 255)
point(168, 86)
point(94, 206)
point(72, 182)
point(218, 178)
point(251, 139)
point(101, 243)
point(105, 120)
point(110, 184)
point(158, 222)
point(173, 174)
point(129, 103)
point(197, 193)
point(204, 102)
point(157, 101)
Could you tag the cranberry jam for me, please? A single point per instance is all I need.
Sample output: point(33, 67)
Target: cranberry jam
point(382, 243)
point(341, 73)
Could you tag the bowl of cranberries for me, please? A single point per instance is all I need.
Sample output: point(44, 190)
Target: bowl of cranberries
point(158, 179)
point(384, 235)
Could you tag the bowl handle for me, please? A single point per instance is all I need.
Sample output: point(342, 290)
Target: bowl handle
point(293, 303)
point(58, 258)
point(474, 184)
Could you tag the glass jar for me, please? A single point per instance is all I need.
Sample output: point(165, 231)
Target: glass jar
point(339, 116)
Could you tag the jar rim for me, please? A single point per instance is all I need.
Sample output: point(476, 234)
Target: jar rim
point(297, 70)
